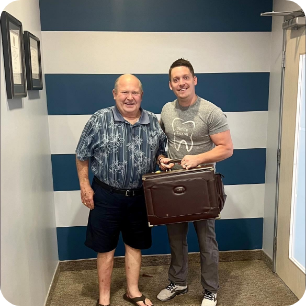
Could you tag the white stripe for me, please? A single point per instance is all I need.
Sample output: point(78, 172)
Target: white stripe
point(65, 132)
point(153, 52)
point(248, 130)
point(243, 201)
point(69, 210)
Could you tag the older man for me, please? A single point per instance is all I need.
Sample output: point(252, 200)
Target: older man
point(122, 142)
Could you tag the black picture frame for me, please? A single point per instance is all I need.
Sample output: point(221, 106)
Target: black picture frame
point(32, 61)
point(13, 53)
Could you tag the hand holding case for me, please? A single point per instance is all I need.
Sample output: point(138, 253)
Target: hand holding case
point(183, 195)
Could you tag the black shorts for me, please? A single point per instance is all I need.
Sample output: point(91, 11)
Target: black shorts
point(114, 213)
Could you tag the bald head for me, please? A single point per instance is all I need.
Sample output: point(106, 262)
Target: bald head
point(128, 95)
point(126, 77)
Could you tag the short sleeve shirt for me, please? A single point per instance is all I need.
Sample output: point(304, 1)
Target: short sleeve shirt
point(188, 129)
point(119, 152)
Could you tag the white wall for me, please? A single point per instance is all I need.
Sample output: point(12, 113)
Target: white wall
point(28, 235)
point(273, 122)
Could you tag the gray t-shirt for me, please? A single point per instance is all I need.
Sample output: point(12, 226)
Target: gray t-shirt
point(189, 128)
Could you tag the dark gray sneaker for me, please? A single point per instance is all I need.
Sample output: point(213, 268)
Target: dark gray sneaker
point(171, 291)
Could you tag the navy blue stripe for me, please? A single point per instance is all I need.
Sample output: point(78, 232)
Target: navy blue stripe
point(232, 234)
point(155, 15)
point(83, 94)
point(239, 234)
point(65, 176)
point(246, 166)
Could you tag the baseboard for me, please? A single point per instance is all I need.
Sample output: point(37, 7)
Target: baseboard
point(159, 260)
point(267, 260)
point(53, 284)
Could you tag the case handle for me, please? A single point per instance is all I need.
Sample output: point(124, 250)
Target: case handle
point(178, 161)
point(175, 161)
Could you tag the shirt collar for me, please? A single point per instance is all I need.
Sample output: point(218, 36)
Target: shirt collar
point(178, 105)
point(144, 117)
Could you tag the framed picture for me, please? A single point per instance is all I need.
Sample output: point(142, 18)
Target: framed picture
point(13, 53)
point(32, 61)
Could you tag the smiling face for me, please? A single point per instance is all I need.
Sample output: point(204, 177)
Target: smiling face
point(128, 95)
point(183, 83)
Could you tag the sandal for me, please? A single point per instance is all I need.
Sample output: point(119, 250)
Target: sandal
point(134, 301)
point(98, 304)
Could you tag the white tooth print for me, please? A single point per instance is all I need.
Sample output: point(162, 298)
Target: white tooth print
point(184, 131)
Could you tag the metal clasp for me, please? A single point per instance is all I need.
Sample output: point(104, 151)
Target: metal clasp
point(129, 193)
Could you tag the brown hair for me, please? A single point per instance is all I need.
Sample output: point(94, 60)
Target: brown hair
point(181, 62)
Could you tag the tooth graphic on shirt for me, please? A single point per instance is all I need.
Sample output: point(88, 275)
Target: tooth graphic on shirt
point(182, 132)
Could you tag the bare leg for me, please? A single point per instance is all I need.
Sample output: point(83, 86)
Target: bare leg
point(105, 263)
point(132, 268)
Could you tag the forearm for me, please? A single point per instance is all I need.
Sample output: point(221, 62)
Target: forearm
point(82, 169)
point(86, 190)
point(217, 154)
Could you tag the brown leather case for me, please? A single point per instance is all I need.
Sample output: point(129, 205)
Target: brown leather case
point(183, 195)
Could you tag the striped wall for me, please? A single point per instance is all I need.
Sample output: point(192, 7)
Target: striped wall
point(88, 44)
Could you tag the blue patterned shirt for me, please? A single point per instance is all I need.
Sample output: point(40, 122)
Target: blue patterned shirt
point(119, 152)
